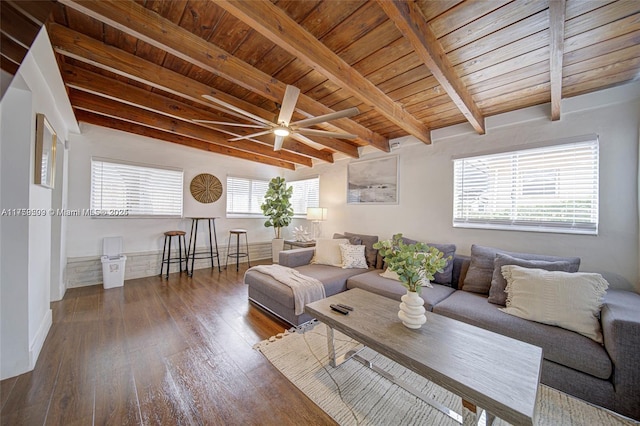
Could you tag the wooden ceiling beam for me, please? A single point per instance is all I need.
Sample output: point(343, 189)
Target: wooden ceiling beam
point(124, 126)
point(17, 26)
point(557, 12)
point(88, 50)
point(413, 25)
point(110, 108)
point(144, 24)
point(273, 23)
point(87, 81)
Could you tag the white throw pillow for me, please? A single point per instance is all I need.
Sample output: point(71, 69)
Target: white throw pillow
point(353, 256)
point(570, 300)
point(392, 275)
point(328, 251)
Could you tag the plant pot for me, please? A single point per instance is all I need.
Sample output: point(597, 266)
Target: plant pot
point(277, 245)
point(412, 310)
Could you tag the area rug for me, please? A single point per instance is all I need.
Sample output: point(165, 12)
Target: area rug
point(353, 394)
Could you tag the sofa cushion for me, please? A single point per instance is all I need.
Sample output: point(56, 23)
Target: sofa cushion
point(480, 273)
point(568, 300)
point(374, 283)
point(328, 252)
point(353, 256)
point(334, 279)
point(561, 346)
point(497, 292)
point(444, 277)
point(356, 241)
point(368, 241)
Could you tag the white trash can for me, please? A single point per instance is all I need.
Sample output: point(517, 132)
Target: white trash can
point(113, 262)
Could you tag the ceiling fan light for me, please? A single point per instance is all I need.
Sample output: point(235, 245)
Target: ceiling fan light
point(281, 131)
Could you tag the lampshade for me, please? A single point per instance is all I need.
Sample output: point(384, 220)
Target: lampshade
point(316, 213)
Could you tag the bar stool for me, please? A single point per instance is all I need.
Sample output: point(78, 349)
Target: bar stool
point(238, 254)
point(167, 259)
point(191, 251)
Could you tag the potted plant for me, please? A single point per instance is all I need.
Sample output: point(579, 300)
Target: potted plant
point(277, 208)
point(415, 265)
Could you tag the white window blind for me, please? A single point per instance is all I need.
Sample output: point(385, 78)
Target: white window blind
point(547, 189)
point(136, 190)
point(306, 193)
point(244, 196)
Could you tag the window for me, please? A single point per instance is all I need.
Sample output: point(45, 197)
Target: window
point(244, 196)
point(133, 190)
point(546, 189)
point(306, 193)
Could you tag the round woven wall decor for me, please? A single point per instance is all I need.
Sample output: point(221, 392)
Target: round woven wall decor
point(205, 188)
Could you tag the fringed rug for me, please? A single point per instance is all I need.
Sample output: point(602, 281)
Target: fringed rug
point(353, 394)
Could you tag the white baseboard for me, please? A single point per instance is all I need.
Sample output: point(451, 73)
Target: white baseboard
point(38, 341)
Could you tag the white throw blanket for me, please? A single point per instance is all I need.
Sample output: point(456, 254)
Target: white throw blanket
point(305, 289)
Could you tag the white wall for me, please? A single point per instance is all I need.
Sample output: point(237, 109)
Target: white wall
point(426, 178)
point(26, 240)
point(85, 234)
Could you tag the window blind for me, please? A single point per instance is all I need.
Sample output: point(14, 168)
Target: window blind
point(306, 193)
point(136, 190)
point(547, 189)
point(244, 196)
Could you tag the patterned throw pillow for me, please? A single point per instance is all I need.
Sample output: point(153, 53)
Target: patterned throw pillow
point(353, 256)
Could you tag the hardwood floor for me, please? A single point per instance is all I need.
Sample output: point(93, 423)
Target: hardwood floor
point(158, 352)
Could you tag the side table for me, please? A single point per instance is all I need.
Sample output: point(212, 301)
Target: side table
point(299, 244)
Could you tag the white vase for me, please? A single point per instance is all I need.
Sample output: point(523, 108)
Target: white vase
point(277, 245)
point(412, 310)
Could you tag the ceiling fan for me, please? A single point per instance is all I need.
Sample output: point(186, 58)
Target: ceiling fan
point(283, 126)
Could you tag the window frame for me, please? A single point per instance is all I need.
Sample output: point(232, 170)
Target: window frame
point(517, 184)
point(258, 213)
point(245, 214)
point(303, 215)
point(103, 211)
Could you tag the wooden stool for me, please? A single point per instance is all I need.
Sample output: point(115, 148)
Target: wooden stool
point(238, 254)
point(167, 243)
point(192, 254)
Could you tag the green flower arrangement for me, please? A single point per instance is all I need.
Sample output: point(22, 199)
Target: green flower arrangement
point(415, 264)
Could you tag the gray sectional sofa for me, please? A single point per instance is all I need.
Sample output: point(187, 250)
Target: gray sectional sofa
point(607, 375)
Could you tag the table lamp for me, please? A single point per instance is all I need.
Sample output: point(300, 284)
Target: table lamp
point(316, 215)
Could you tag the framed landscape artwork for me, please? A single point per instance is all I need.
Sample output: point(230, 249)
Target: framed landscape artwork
point(46, 140)
point(373, 181)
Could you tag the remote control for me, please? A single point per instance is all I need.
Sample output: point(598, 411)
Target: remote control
point(339, 309)
point(343, 306)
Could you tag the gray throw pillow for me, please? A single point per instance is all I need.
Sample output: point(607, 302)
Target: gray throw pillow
point(497, 292)
point(354, 241)
point(480, 273)
point(444, 277)
point(369, 252)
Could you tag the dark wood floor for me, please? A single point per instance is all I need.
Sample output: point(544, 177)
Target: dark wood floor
point(158, 352)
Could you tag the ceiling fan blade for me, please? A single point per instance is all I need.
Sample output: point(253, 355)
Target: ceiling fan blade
point(349, 112)
point(238, 110)
point(253, 135)
point(305, 140)
point(288, 105)
point(277, 146)
point(224, 123)
point(325, 134)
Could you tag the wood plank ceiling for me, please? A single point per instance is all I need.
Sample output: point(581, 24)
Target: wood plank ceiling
point(409, 67)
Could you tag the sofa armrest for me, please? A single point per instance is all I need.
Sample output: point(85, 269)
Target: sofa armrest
point(620, 318)
point(296, 257)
